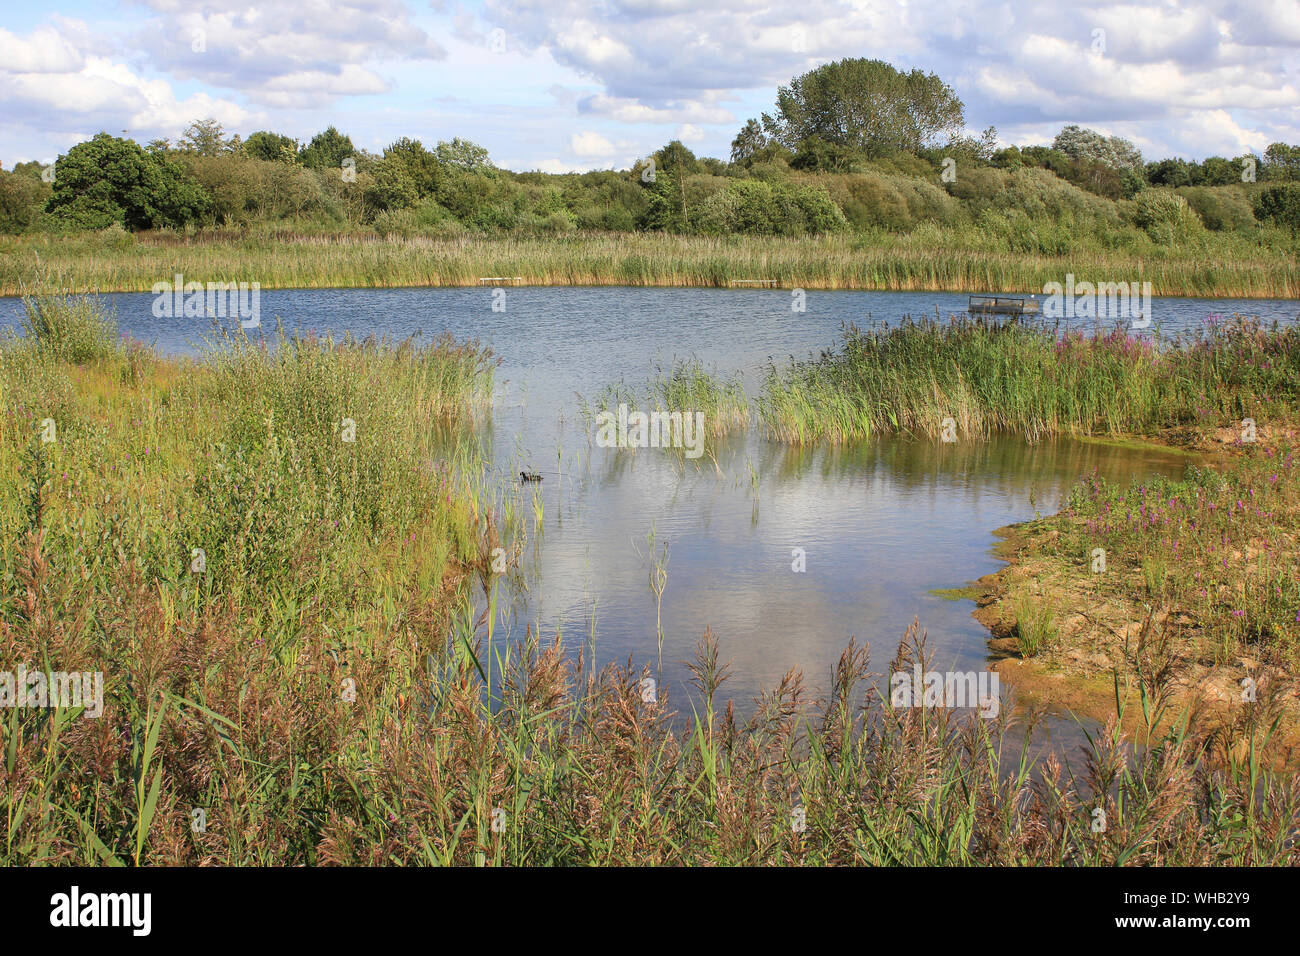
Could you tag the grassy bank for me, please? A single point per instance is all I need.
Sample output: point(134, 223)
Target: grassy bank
point(929, 258)
point(318, 688)
point(984, 377)
point(1191, 584)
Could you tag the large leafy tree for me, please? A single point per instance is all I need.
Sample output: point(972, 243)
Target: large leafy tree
point(1089, 146)
point(390, 186)
point(1280, 204)
point(423, 167)
point(748, 142)
point(108, 180)
point(23, 194)
point(1282, 161)
point(207, 137)
point(866, 105)
point(463, 154)
point(327, 150)
point(273, 147)
point(677, 158)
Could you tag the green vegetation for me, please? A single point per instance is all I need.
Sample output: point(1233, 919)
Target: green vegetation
point(855, 152)
point(1218, 546)
point(1004, 376)
point(973, 260)
point(287, 627)
point(1035, 624)
point(688, 387)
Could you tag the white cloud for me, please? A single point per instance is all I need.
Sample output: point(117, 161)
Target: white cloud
point(45, 51)
point(588, 143)
point(49, 86)
point(626, 110)
point(1016, 63)
point(624, 76)
point(284, 52)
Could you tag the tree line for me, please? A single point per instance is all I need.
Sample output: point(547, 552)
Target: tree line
point(851, 145)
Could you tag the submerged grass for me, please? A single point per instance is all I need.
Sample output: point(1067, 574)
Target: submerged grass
point(320, 689)
point(685, 390)
point(972, 377)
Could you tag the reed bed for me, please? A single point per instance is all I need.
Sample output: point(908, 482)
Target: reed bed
point(972, 377)
point(935, 259)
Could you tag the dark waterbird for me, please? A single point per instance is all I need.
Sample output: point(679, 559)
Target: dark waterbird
point(526, 476)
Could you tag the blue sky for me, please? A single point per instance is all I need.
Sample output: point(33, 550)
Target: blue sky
point(562, 84)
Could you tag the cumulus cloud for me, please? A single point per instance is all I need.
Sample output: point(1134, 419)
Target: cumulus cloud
point(50, 86)
point(1018, 64)
point(285, 52)
point(44, 51)
point(620, 77)
point(629, 110)
point(588, 143)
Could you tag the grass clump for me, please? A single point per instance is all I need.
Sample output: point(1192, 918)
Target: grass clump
point(1035, 624)
point(73, 329)
point(972, 377)
point(688, 385)
point(673, 400)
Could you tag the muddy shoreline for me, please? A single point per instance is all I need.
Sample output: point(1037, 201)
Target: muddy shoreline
point(1110, 648)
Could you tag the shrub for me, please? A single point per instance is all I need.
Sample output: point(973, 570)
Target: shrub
point(1279, 204)
point(1221, 208)
point(22, 199)
point(108, 180)
point(76, 330)
point(1164, 215)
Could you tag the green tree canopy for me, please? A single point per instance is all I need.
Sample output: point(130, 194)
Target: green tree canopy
point(272, 147)
point(748, 141)
point(423, 167)
point(1280, 204)
point(1282, 161)
point(866, 105)
point(464, 155)
point(676, 157)
point(206, 137)
point(108, 180)
point(327, 150)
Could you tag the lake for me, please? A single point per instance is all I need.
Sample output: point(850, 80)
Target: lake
point(881, 523)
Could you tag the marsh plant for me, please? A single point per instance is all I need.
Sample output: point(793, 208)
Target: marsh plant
point(986, 376)
point(1221, 547)
point(678, 409)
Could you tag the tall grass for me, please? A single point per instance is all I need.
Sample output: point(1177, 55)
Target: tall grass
point(71, 329)
point(990, 376)
point(688, 387)
point(956, 258)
